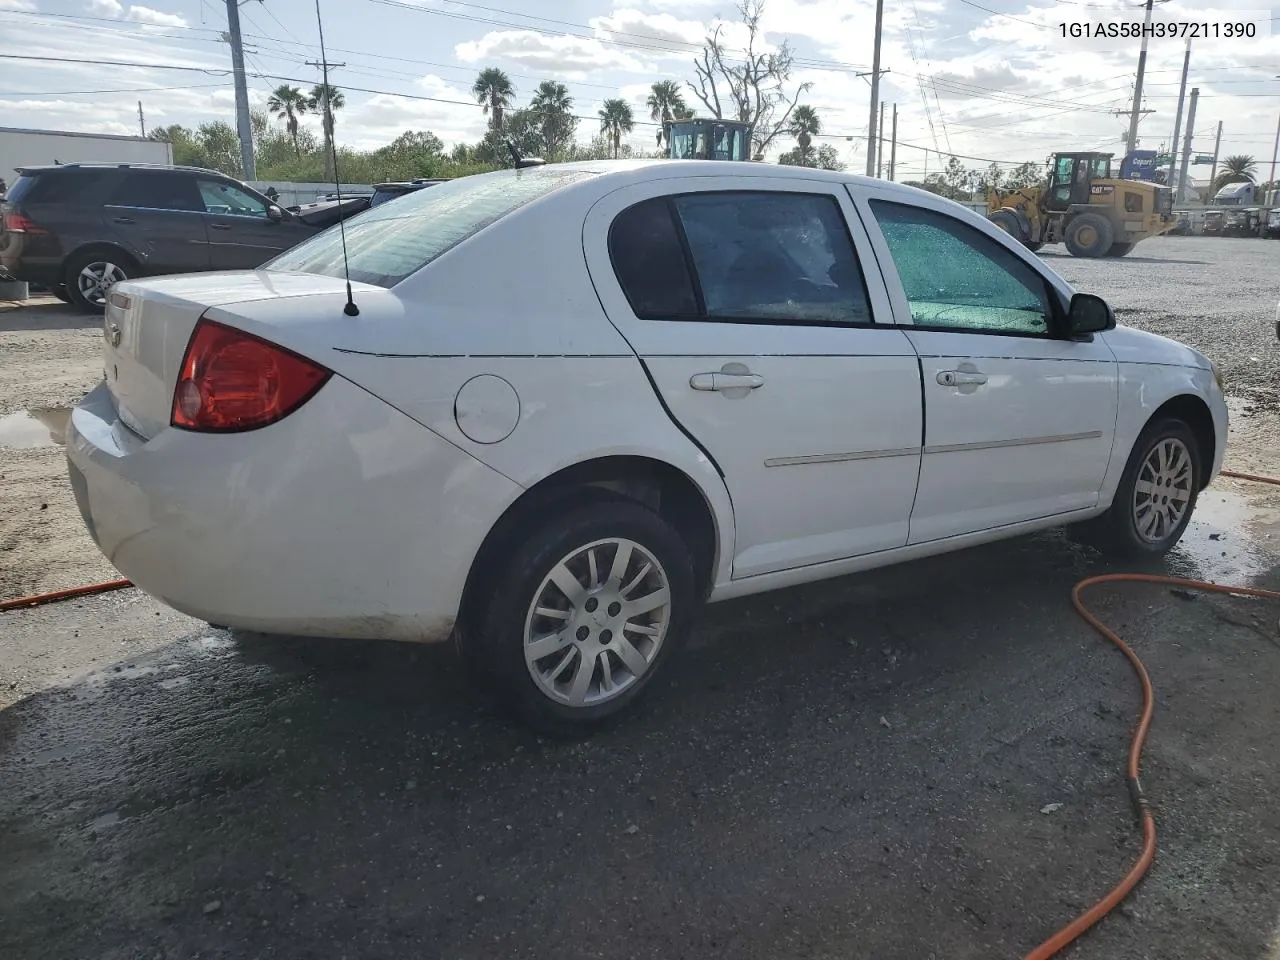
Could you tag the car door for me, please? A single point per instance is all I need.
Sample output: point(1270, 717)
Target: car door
point(1019, 420)
point(753, 304)
point(158, 217)
point(242, 235)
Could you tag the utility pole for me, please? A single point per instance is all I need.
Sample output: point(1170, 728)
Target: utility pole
point(1177, 123)
point(142, 124)
point(880, 145)
point(243, 127)
point(893, 148)
point(1137, 89)
point(1186, 149)
point(1271, 180)
point(875, 91)
point(1217, 144)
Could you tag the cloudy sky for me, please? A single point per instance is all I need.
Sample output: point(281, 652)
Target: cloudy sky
point(990, 80)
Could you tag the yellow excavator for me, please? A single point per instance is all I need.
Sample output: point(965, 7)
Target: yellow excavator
point(1085, 207)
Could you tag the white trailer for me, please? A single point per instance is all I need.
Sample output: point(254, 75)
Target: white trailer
point(36, 148)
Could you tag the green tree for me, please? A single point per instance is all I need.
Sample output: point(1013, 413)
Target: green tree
point(1024, 175)
point(493, 89)
point(290, 103)
point(615, 120)
point(326, 99)
point(187, 150)
point(1239, 168)
point(553, 107)
point(804, 125)
point(828, 158)
point(666, 103)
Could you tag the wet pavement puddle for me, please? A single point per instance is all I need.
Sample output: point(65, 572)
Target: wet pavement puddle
point(1233, 537)
point(34, 428)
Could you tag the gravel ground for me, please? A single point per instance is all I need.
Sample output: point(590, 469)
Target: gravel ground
point(920, 762)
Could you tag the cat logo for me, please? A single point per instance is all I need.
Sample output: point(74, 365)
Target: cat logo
point(1101, 190)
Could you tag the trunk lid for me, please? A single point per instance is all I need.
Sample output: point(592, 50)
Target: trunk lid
point(148, 324)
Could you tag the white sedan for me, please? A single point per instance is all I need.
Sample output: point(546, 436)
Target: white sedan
point(561, 407)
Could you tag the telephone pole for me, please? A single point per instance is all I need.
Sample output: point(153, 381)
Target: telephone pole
point(1186, 149)
point(1217, 145)
point(893, 147)
point(142, 124)
point(880, 145)
point(1271, 180)
point(243, 127)
point(1137, 89)
point(326, 118)
point(875, 92)
point(1177, 123)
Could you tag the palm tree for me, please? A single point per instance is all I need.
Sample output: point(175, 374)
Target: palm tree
point(666, 103)
point(804, 125)
point(495, 91)
point(290, 103)
point(1236, 169)
point(552, 103)
point(324, 100)
point(615, 120)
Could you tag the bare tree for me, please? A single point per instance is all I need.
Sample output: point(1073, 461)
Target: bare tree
point(750, 87)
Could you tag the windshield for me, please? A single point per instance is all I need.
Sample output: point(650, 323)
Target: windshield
point(390, 241)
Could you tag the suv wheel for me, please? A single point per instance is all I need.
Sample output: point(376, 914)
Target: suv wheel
point(89, 276)
point(584, 614)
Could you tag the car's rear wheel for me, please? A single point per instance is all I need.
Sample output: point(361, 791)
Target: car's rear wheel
point(584, 614)
point(1156, 496)
point(89, 276)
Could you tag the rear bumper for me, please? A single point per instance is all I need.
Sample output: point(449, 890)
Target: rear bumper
point(346, 519)
point(45, 271)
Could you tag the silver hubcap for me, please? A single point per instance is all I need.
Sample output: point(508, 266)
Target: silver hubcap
point(1163, 491)
point(597, 622)
point(96, 278)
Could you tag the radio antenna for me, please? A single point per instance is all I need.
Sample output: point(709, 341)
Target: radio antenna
point(351, 310)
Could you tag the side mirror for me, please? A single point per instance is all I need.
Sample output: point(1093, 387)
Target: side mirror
point(1088, 315)
point(275, 213)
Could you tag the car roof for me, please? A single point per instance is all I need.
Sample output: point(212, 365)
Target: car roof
point(622, 172)
point(46, 168)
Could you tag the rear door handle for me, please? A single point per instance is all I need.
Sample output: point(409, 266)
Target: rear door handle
point(219, 226)
point(726, 381)
point(958, 378)
point(122, 220)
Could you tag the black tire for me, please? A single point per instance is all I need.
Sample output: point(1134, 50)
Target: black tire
point(1033, 247)
point(1008, 221)
point(59, 290)
point(520, 585)
point(1117, 530)
point(1089, 235)
point(124, 269)
point(1121, 249)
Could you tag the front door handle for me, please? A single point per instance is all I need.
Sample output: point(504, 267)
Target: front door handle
point(219, 226)
point(122, 220)
point(960, 378)
point(726, 381)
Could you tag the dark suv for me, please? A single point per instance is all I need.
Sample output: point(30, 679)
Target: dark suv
point(78, 228)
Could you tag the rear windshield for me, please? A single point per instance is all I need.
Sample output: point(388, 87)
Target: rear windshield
point(57, 186)
point(389, 242)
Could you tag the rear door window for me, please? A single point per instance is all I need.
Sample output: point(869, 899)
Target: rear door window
point(750, 256)
point(387, 243)
point(155, 190)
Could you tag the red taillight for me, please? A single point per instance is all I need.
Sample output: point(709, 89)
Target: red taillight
point(232, 381)
point(19, 223)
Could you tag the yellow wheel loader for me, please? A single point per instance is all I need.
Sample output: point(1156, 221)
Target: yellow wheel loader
point(1083, 206)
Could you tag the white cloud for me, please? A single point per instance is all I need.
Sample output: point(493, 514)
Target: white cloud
point(554, 54)
point(662, 30)
point(106, 8)
point(155, 18)
point(25, 6)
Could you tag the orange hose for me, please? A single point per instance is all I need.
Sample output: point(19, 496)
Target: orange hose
point(37, 599)
point(1077, 927)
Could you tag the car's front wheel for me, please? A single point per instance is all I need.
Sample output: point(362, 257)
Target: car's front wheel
point(584, 613)
point(1156, 495)
point(89, 277)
